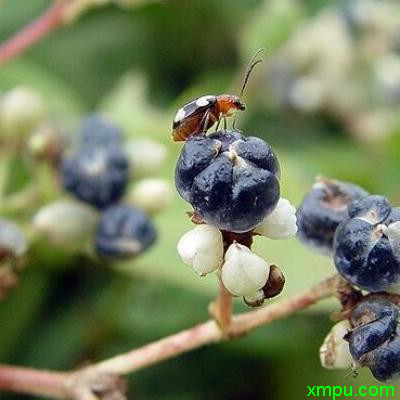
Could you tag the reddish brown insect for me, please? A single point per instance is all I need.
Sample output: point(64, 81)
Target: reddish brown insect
point(199, 115)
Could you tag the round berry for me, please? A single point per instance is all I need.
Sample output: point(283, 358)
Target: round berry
point(374, 341)
point(123, 232)
point(323, 209)
point(96, 130)
point(369, 335)
point(96, 175)
point(367, 244)
point(230, 180)
point(373, 209)
point(384, 362)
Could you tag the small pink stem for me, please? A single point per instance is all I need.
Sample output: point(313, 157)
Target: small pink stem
point(209, 332)
point(33, 381)
point(33, 32)
point(58, 385)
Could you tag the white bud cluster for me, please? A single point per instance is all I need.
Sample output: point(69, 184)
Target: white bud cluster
point(334, 352)
point(243, 273)
point(151, 195)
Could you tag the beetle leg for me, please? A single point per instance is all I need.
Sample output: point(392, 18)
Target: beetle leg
point(218, 122)
point(225, 124)
point(205, 120)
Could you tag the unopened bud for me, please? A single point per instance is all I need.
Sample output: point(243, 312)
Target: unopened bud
point(256, 299)
point(202, 249)
point(275, 283)
point(281, 223)
point(334, 352)
point(145, 156)
point(151, 195)
point(67, 224)
point(243, 272)
point(273, 287)
point(21, 110)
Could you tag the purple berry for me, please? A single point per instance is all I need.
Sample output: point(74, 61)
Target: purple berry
point(123, 232)
point(323, 209)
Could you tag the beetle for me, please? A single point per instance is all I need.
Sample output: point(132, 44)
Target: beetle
point(199, 115)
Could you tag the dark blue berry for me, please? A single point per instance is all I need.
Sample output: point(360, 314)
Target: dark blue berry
point(382, 316)
point(372, 310)
point(363, 252)
point(384, 362)
point(374, 340)
point(123, 232)
point(394, 216)
point(372, 208)
point(195, 157)
point(96, 130)
point(230, 180)
point(96, 175)
point(323, 209)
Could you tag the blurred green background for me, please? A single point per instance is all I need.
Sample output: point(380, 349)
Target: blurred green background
point(139, 64)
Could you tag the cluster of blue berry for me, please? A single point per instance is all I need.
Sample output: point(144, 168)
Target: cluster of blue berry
point(362, 234)
point(232, 183)
point(97, 172)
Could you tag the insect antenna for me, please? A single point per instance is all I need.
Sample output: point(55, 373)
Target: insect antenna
point(250, 66)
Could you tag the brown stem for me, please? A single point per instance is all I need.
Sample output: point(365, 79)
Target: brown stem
point(32, 33)
point(221, 308)
point(53, 385)
point(209, 332)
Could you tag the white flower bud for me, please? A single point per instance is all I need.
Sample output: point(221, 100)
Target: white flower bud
point(145, 156)
point(67, 224)
point(255, 299)
point(281, 223)
point(202, 249)
point(243, 272)
point(21, 110)
point(151, 195)
point(334, 352)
